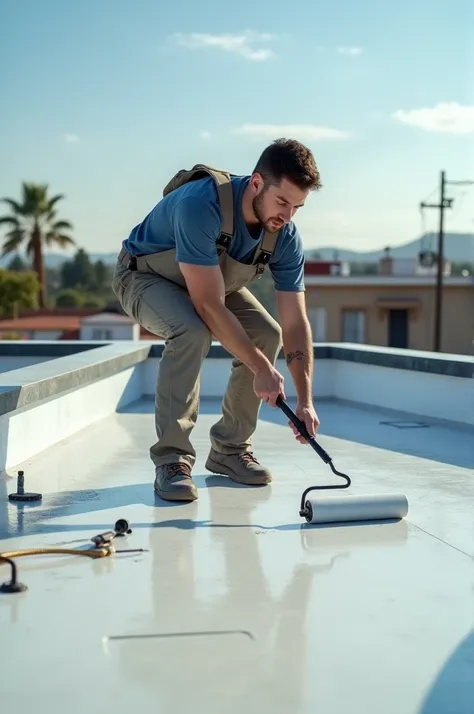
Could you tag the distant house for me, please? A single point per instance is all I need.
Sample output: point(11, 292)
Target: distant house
point(73, 324)
point(393, 308)
point(108, 326)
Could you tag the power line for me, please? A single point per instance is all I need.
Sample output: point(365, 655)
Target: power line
point(443, 204)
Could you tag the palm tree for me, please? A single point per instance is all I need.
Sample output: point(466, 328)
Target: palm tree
point(33, 220)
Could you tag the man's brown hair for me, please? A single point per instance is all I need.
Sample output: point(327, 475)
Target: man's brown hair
point(288, 158)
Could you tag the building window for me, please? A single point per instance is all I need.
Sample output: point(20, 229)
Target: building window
point(101, 334)
point(317, 319)
point(353, 326)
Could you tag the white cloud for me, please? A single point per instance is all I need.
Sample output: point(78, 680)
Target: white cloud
point(240, 44)
point(351, 51)
point(205, 135)
point(301, 132)
point(71, 138)
point(447, 117)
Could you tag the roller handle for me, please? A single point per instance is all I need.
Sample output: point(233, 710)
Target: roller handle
point(305, 509)
point(301, 426)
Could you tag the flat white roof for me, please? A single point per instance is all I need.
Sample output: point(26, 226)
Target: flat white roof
point(236, 604)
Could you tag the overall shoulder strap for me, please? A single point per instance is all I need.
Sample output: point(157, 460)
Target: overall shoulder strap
point(267, 246)
point(223, 183)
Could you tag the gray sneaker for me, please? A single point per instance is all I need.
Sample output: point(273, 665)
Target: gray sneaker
point(173, 482)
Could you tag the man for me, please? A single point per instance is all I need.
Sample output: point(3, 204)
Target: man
point(182, 274)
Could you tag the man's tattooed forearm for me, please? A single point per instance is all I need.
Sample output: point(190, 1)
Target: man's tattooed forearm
point(293, 355)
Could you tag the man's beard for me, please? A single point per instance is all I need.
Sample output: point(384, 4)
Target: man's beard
point(257, 206)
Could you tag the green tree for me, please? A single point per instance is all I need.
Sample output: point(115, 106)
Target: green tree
point(69, 298)
point(33, 220)
point(17, 290)
point(93, 301)
point(101, 275)
point(17, 263)
point(79, 272)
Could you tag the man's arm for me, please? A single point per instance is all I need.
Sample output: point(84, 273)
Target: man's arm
point(197, 226)
point(288, 273)
point(196, 223)
point(206, 289)
point(298, 348)
point(297, 343)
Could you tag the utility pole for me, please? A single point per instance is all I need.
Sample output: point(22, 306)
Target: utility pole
point(441, 206)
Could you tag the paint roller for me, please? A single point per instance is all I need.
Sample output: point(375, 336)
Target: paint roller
point(339, 509)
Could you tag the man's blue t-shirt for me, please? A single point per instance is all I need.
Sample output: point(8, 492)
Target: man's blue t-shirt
point(189, 220)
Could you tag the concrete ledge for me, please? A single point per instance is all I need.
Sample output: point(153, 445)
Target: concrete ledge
point(81, 363)
point(47, 402)
point(40, 425)
point(29, 385)
point(414, 360)
point(449, 365)
point(453, 365)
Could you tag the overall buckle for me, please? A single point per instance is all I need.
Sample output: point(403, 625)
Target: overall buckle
point(264, 257)
point(132, 263)
point(224, 240)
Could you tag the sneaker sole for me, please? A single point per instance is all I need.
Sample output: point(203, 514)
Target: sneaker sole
point(222, 470)
point(177, 495)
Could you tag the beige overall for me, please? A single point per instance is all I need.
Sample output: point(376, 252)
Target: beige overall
point(154, 294)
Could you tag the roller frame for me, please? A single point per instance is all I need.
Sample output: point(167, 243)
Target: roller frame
point(305, 509)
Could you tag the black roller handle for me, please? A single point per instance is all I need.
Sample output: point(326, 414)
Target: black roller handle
point(300, 425)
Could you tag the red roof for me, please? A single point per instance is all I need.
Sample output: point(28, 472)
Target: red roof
point(68, 322)
point(45, 311)
point(42, 323)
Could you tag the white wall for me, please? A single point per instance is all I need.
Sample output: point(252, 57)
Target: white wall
point(46, 334)
point(109, 331)
point(56, 419)
point(423, 393)
point(215, 375)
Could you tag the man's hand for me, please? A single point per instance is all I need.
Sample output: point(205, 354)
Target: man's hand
point(307, 414)
point(268, 385)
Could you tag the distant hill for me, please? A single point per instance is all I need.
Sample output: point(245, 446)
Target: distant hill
point(458, 247)
point(55, 260)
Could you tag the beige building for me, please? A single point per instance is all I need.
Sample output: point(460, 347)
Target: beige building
point(391, 310)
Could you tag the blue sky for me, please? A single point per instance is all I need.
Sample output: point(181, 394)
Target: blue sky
point(105, 100)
